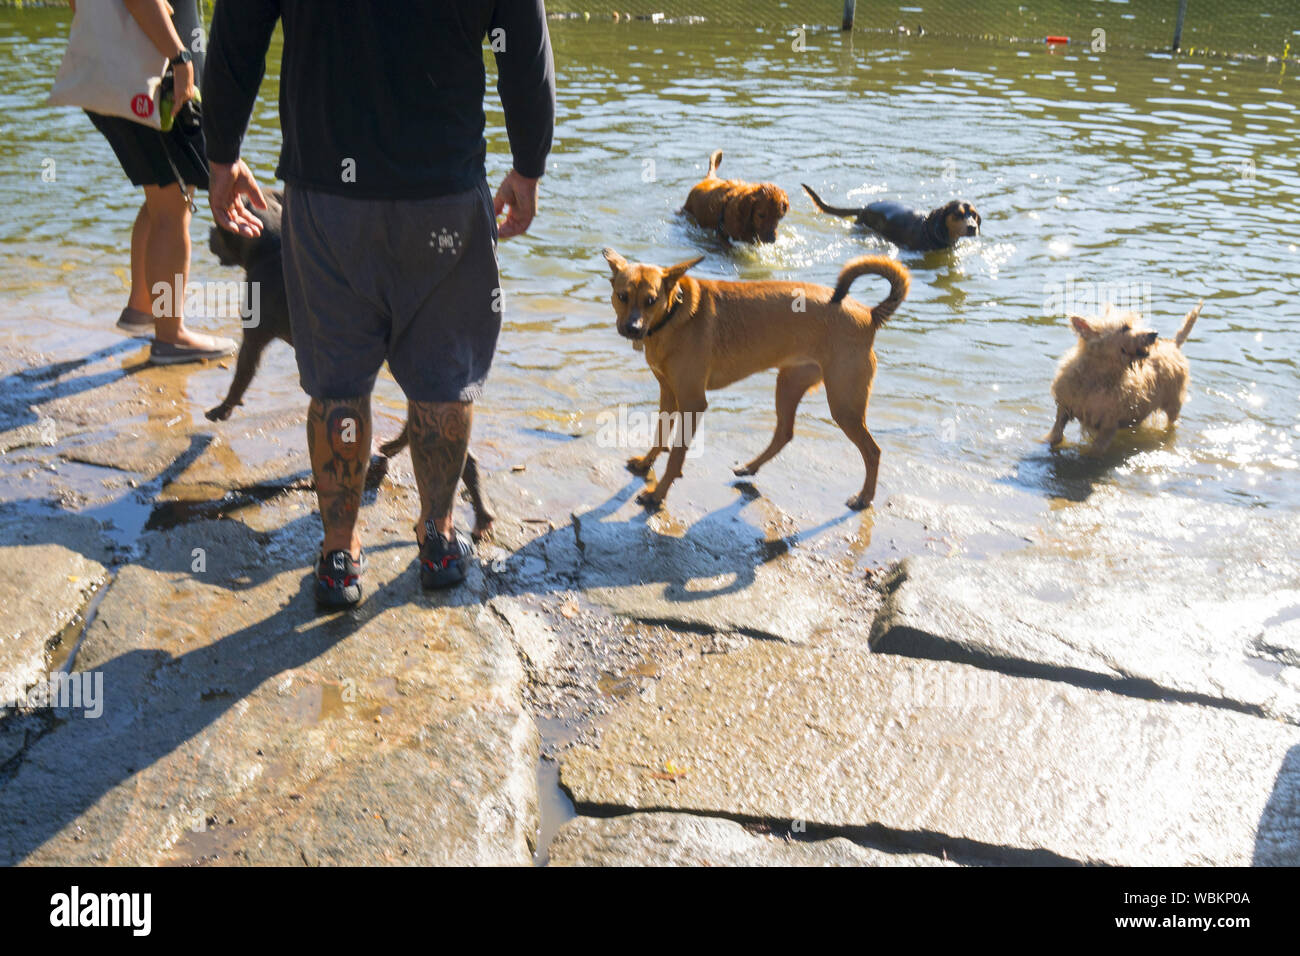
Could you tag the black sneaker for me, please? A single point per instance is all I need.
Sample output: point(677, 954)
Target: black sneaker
point(442, 561)
point(338, 579)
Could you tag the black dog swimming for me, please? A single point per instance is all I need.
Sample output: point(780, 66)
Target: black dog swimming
point(266, 311)
point(909, 229)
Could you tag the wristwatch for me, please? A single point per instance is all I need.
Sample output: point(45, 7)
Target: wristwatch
point(182, 57)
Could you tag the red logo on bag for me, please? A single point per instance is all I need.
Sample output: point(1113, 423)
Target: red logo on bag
point(142, 104)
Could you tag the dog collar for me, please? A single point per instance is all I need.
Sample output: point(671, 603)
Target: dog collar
point(667, 318)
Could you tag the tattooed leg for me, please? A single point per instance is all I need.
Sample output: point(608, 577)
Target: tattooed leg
point(439, 438)
point(338, 441)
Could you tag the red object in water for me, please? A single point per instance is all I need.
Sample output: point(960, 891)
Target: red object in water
point(1058, 39)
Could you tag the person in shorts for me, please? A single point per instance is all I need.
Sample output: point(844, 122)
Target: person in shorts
point(389, 228)
point(168, 166)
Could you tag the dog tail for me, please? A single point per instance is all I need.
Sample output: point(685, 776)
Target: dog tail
point(390, 448)
point(900, 280)
point(715, 160)
point(833, 210)
point(1188, 322)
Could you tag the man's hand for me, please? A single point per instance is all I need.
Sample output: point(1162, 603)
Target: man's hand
point(226, 183)
point(517, 198)
point(183, 89)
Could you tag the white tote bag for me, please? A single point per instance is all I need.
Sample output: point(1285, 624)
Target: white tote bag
point(110, 66)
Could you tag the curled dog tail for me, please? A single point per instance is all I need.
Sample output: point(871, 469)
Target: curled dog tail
point(1188, 322)
point(899, 282)
point(833, 210)
point(715, 160)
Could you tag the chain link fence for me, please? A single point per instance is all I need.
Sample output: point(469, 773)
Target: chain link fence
point(1235, 28)
point(1249, 28)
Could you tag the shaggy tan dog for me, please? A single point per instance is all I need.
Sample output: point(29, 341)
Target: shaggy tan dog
point(1117, 374)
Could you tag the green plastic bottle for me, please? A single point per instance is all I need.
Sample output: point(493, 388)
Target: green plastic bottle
point(165, 108)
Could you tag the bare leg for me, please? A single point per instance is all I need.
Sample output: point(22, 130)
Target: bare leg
point(1057, 434)
point(791, 386)
point(140, 299)
point(338, 440)
point(439, 440)
point(167, 257)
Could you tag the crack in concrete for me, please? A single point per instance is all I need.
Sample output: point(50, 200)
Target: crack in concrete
point(921, 645)
point(875, 836)
point(47, 720)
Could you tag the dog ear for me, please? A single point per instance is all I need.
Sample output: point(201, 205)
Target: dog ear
point(1081, 325)
point(616, 262)
point(673, 273)
point(775, 195)
point(936, 220)
point(738, 222)
point(780, 202)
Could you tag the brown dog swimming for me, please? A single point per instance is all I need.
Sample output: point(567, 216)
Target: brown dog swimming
point(1117, 374)
point(266, 312)
point(745, 212)
point(906, 228)
point(705, 334)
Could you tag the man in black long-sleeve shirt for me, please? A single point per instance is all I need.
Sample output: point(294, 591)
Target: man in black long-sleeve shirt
point(389, 230)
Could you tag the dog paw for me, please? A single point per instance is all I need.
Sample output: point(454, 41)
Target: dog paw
point(649, 500)
point(638, 466)
point(743, 471)
point(859, 503)
point(482, 530)
point(218, 414)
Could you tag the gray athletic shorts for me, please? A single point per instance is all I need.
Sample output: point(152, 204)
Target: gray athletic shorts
point(411, 281)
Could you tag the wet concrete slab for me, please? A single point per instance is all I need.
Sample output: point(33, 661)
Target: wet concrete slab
point(147, 453)
point(251, 448)
point(1065, 620)
point(683, 839)
point(949, 759)
point(53, 567)
point(1154, 605)
point(719, 558)
point(43, 589)
point(240, 726)
point(710, 658)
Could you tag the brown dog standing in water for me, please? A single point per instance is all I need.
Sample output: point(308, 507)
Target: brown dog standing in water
point(746, 212)
point(702, 334)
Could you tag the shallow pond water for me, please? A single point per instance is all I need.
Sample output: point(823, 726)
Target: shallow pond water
point(1123, 174)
